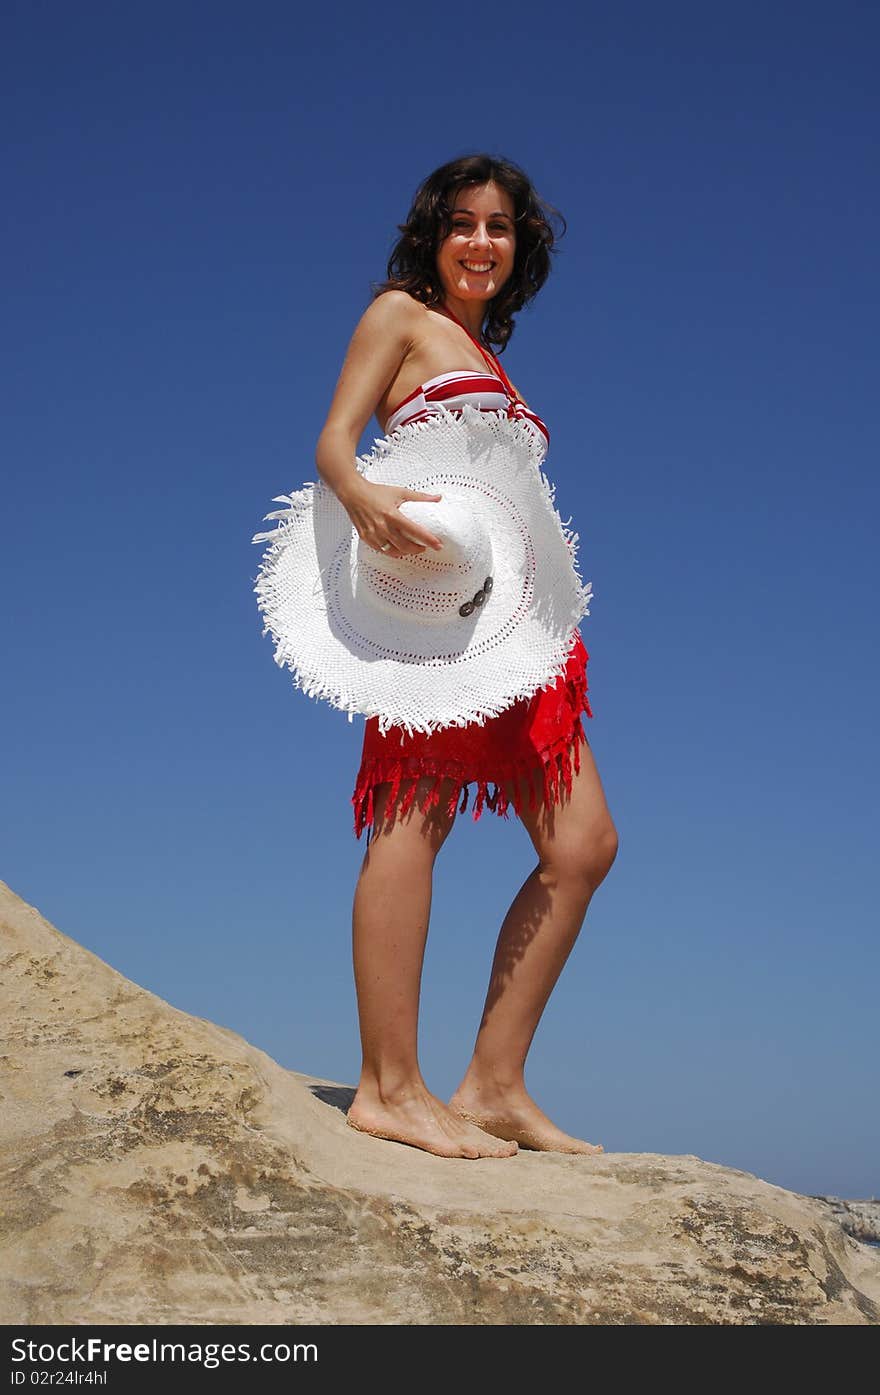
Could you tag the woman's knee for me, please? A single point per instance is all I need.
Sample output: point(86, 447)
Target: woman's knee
point(608, 846)
point(587, 858)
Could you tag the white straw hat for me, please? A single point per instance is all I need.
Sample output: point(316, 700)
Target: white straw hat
point(439, 638)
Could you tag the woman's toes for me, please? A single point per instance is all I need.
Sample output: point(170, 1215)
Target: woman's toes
point(497, 1147)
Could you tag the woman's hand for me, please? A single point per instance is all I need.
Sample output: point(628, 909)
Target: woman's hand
point(374, 511)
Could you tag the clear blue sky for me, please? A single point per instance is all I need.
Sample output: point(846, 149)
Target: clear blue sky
point(197, 199)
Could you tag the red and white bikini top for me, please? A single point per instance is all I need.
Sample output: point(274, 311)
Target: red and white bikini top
point(490, 392)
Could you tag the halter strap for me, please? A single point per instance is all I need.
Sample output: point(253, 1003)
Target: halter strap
point(490, 358)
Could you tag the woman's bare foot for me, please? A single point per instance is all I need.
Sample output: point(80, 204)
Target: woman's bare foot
point(417, 1117)
point(513, 1114)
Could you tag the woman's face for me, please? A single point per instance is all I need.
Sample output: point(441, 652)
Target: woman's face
point(476, 258)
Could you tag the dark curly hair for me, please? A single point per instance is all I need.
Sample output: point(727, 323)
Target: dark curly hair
point(412, 265)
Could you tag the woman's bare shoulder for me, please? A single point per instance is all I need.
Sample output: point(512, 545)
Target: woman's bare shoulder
point(388, 331)
point(394, 310)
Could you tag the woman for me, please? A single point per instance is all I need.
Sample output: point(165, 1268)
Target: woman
point(474, 249)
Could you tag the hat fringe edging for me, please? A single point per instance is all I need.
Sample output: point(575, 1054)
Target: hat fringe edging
point(314, 685)
point(296, 501)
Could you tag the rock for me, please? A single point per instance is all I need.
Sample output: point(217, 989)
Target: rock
point(858, 1217)
point(159, 1169)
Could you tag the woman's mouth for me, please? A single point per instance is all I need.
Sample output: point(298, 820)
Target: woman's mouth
point(478, 267)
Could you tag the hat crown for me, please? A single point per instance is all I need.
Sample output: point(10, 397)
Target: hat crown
point(436, 582)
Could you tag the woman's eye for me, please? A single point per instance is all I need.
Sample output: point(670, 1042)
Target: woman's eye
point(495, 227)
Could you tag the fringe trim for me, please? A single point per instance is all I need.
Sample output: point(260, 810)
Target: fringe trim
point(545, 779)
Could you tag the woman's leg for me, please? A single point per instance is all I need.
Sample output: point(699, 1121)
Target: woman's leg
point(576, 843)
point(392, 906)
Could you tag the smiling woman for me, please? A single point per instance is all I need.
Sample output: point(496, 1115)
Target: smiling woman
point(474, 250)
point(481, 251)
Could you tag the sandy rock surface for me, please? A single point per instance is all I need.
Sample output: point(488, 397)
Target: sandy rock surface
point(159, 1169)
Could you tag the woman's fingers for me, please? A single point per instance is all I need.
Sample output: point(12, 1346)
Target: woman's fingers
point(406, 536)
point(413, 532)
point(421, 541)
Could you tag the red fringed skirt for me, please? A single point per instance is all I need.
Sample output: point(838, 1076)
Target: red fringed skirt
point(537, 738)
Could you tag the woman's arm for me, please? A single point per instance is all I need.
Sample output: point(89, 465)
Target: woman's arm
point(382, 338)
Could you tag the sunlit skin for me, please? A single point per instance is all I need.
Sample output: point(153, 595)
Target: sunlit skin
point(491, 1113)
point(483, 230)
